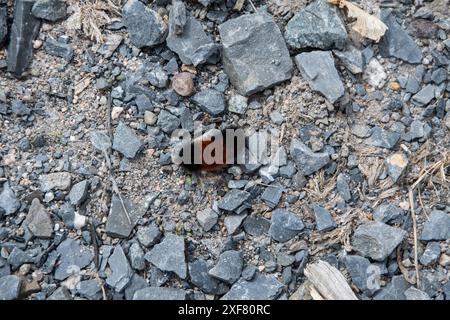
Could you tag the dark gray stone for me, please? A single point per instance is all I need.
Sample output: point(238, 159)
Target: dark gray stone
point(118, 224)
point(126, 141)
point(167, 121)
point(256, 226)
point(100, 141)
point(72, 258)
point(424, 96)
point(272, 195)
point(318, 68)
point(62, 293)
point(38, 220)
point(262, 287)
point(251, 64)
point(145, 26)
point(395, 290)
point(437, 227)
point(233, 199)
point(351, 58)
point(413, 293)
point(284, 225)
point(383, 138)
point(187, 38)
point(169, 255)
point(59, 49)
point(363, 274)
point(78, 193)
point(137, 283)
point(89, 289)
point(439, 75)
point(19, 108)
point(389, 213)
point(233, 222)
point(324, 220)
point(377, 240)
point(431, 254)
point(207, 218)
point(307, 161)
point(158, 293)
point(24, 30)
point(9, 287)
point(343, 188)
point(148, 236)
point(18, 257)
point(316, 26)
point(136, 255)
point(229, 267)
point(51, 10)
point(198, 272)
point(121, 271)
point(210, 101)
point(249, 272)
point(396, 42)
point(9, 203)
point(3, 23)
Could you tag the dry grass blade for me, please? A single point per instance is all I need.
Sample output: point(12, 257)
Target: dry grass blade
point(95, 14)
point(366, 24)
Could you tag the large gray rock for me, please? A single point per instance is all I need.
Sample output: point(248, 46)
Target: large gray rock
point(317, 67)
point(233, 199)
point(72, 258)
point(126, 141)
point(316, 26)
point(169, 255)
point(396, 42)
point(187, 38)
point(437, 227)
point(363, 274)
point(377, 240)
point(158, 293)
point(307, 161)
point(24, 30)
point(9, 203)
point(38, 220)
point(121, 272)
point(210, 101)
point(118, 224)
point(9, 287)
point(255, 56)
point(51, 10)
point(145, 26)
point(198, 273)
point(284, 225)
point(229, 267)
point(262, 287)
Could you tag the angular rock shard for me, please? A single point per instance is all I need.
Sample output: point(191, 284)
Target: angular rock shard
point(255, 56)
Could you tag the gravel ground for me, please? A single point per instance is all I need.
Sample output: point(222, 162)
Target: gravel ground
point(85, 127)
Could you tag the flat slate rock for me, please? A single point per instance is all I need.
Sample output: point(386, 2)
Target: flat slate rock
point(256, 226)
point(149, 235)
point(377, 240)
point(229, 267)
point(58, 49)
point(24, 30)
point(100, 140)
point(9, 287)
point(437, 227)
point(318, 25)
point(79, 192)
point(424, 96)
point(284, 225)
point(121, 272)
point(118, 224)
point(396, 42)
point(262, 287)
point(210, 101)
point(255, 56)
point(198, 273)
point(3, 23)
point(89, 289)
point(363, 274)
point(188, 40)
point(126, 141)
point(169, 255)
point(307, 161)
point(55, 181)
point(388, 213)
point(324, 220)
point(51, 10)
point(413, 293)
point(233, 222)
point(233, 199)
point(145, 26)
point(159, 293)
point(351, 58)
point(395, 290)
point(9, 203)
point(431, 254)
point(72, 258)
point(383, 138)
point(38, 220)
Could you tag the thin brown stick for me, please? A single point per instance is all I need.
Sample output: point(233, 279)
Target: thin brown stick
point(413, 216)
point(253, 6)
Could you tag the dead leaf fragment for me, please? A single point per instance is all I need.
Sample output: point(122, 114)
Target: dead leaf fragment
point(366, 24)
